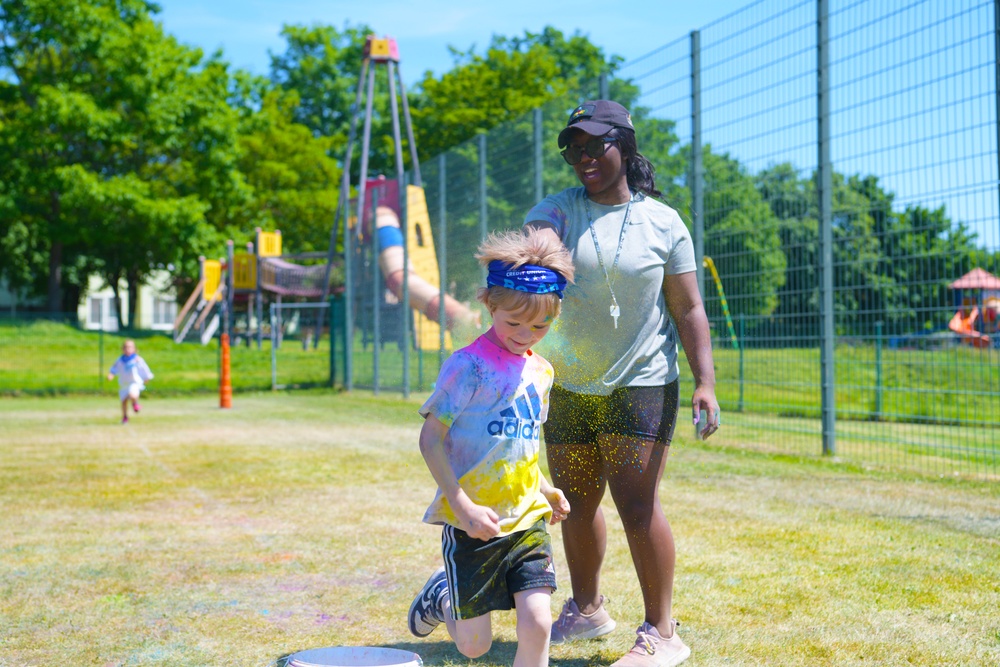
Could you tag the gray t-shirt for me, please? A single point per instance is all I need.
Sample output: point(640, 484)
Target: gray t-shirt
point(589, 355)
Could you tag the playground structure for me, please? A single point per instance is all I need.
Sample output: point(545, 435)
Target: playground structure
point(200, 312)
point(392, 265)
point(392, 232)
point(231, 291)
point(381, 230)
point(977, 320)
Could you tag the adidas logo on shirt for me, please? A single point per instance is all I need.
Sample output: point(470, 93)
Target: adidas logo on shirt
point(521, 420)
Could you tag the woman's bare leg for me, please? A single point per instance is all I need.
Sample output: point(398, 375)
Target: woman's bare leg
point(635, 468)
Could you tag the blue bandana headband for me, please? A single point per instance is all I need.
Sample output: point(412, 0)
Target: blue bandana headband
point(525, 278)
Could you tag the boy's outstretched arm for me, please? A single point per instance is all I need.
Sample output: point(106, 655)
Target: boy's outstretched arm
point(477, 520)
point(557, 500)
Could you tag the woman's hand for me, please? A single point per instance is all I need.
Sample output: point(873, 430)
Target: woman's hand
point(704, 399)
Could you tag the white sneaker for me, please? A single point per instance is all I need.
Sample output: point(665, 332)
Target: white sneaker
point(425, 611)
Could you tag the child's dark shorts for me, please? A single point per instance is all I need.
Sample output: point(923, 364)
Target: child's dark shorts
point(484, 576)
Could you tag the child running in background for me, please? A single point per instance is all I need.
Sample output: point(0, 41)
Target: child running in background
point(480, 440)
point(133, 373)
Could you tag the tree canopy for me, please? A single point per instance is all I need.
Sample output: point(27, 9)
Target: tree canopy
point(123, 151)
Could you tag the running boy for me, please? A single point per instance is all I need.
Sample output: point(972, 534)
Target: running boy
point(133, 373)
point(480, 440)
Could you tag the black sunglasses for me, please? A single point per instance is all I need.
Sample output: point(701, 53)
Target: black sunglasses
point(595, 148)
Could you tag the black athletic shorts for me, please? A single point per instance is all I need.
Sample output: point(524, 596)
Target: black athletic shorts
point(647, 413)
point(484, 576)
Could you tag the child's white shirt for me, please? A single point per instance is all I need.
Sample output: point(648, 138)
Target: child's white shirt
point(131, 371)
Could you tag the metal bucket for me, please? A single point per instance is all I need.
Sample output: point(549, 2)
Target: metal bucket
point(354, 656)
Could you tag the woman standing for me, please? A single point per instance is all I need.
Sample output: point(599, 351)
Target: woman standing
point(614, 351)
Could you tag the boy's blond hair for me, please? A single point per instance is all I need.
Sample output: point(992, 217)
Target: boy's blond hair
point(517, 248)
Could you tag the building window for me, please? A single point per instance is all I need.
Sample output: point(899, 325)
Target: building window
point(102, 313)
point(164, 312)
point(96, 312)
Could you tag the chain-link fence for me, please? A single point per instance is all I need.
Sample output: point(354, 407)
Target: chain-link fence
point(843, 178)
point(837, 164)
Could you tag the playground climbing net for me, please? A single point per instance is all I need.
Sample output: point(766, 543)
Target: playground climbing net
point(287, 279)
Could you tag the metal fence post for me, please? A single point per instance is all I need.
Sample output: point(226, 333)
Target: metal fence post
point(407, 310)
point(878, 371)
point(743, 344)
point(483, 213)
point(338, 340)
point(274, 347)
point(536, 117)
point(825, 188)
point(442, 248)
point(100, 353)
point(377, 297)
point(348, 304)
point(996, 79)
point(332, 321)
point(697, 169)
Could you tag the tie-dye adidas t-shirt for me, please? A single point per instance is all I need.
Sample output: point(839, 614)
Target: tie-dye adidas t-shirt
point(493, 403)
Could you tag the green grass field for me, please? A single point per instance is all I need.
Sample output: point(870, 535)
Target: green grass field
point(957, 385)
point(45, 358)
point(931, 411)
point(195, 536)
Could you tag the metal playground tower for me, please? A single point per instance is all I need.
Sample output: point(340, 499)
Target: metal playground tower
point(389, 230)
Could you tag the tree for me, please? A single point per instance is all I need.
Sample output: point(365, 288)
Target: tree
point(742, 236)
point(136, 230)
point(922, 250)
point(793, 201)
point(322, 65)
point(890, 266)
point(512, 77)
point(22, 248)
point(494, 93)
point(109, 109)
point(481, 92)
point(48, 123)
point(293, 179)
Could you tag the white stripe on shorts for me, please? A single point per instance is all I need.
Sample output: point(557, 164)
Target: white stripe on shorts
point(450, 568)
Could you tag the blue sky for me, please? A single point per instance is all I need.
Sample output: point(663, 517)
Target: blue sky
point(247, 29)
point(923, 124)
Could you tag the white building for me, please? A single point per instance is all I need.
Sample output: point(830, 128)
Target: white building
point(156, 305)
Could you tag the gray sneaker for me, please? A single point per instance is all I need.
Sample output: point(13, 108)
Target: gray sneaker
point(652, 650)
point(572, 625)
point(425, 611)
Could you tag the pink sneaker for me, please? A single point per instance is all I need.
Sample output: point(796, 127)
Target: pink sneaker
point(652, 650)
point(135, 406)
point(124, 420)
point(572, 625)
